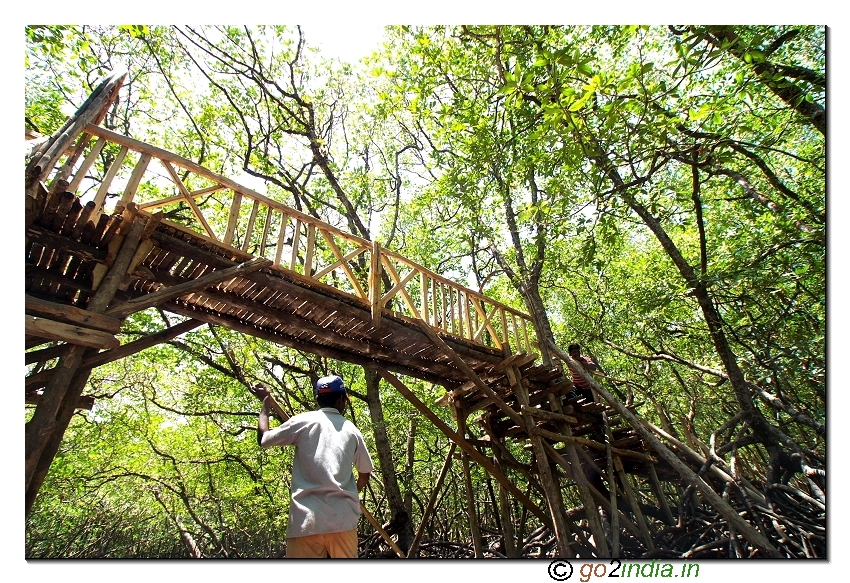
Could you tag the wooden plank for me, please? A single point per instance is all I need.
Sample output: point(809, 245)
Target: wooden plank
point(135, 179)
point(71, 315)
point(281, 238)
point(71, 334)
point(233, 218)
point(107, 179)
point(87, 163)
point(266, 224)
point(188, 198)
point(249, 230)
point(148, 206)
point(42, 236)
point(175, 291)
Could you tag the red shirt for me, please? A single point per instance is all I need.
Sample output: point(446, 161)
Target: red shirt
point(577, 380)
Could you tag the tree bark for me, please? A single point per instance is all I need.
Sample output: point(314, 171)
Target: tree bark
point(400, 522)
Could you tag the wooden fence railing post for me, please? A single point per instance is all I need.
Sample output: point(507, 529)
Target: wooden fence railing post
point(375, 284)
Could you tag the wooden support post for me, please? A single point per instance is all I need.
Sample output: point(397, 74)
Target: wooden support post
point(472, 510)
point(375, 284)
point(612, 488)
point(45, 429)
point(646, 535)
point(581, 482)
point(659, 493)
point(505, 514)
point(169, 293)
point(755, 538)
point(53, 439)
point(426, 514)
point(465, 446)
point(551, 486)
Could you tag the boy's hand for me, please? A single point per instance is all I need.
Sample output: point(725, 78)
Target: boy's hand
point(259, 391)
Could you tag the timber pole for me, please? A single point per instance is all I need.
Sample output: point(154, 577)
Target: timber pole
point(754, 537)
point(44, 431)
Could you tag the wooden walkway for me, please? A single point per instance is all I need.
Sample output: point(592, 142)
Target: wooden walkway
point(115, 226)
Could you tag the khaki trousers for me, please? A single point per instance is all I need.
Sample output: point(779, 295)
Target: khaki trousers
point(337, 545)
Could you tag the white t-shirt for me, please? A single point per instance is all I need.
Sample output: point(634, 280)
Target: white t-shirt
point(324, 489)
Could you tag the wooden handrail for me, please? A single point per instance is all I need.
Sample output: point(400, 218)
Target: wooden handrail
point(307, 246)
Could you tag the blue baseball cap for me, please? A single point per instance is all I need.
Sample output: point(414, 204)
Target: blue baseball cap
point(329, 385)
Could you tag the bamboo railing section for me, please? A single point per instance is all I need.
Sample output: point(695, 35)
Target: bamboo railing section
point(210, 205)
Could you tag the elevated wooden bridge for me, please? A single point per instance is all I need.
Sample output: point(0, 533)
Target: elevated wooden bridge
point(115, 226)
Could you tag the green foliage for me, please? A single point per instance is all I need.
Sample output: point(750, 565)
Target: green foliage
point(541, 142)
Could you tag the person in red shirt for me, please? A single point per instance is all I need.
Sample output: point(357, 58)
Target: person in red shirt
point(581, 386)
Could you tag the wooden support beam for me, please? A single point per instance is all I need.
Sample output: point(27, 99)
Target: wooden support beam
point(597, 495)
point(548, 479)
point(592, 514)
point(461, 442)
point(70, 315)
point(40, 379)
point(175, 291)
point(470, 374)
point(44, 431)
point(550, 415)
point(643, 526)
point(85, 402)
point(755, 538)
point(570, 440)
point(659, 494)
point(612, 487)
point(426, 514)
point(506, 516)
point(44, 354)
point(472, 511)
point(715, 471)
point(69, 333)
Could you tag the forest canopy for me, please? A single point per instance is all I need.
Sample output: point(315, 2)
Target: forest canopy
point(654, 193)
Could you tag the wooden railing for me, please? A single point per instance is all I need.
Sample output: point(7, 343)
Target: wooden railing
point(311, 250)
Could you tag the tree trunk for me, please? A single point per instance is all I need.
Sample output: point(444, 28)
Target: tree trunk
point(400, 523)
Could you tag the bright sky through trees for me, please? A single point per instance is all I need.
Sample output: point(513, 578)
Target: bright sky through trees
point(346, 41)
